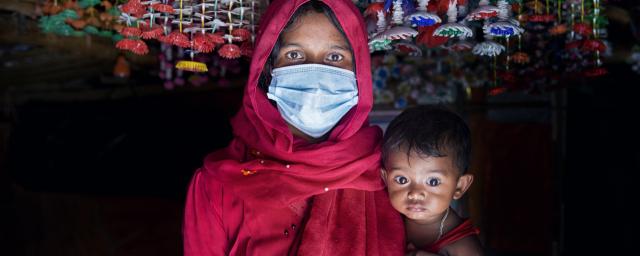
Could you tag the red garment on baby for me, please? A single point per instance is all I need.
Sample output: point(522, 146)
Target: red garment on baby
point(461, 231)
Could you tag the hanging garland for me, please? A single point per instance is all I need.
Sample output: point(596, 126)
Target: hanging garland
point(197, 26)
point(528, 45)
point(79, 18)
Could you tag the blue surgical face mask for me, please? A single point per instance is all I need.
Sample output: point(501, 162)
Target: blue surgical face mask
point(313, 97)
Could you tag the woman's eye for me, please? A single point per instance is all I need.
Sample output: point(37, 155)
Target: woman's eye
point(401, 180)
point(293, 55)
point(433, 182)
point(334, 57)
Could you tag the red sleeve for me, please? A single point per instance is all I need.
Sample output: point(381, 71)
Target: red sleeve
point(203, 230)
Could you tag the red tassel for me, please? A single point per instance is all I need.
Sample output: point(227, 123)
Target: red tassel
point(241, 33)
point(202, 43)
point(134, 7)
point(216, 38)
point(130, 32)
point(163, 8)
point(140, 48)
point(583, 29)
point(230, 51)
point(593, 45)
point(542, 18)
point(135, 46)
point(152, 33)
point(176, 38)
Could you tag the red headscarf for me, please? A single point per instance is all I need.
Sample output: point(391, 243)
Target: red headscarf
point(341, 173)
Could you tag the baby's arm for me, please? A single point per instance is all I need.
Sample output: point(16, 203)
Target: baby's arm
point(466, 246)
point(412, 251)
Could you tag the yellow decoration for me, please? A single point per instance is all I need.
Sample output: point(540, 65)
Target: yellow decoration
point(192, 66)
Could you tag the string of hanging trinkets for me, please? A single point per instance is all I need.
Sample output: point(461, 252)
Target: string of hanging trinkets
point(546, 40)
point(197, 26)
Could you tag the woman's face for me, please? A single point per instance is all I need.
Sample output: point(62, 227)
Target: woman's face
point(313, 39)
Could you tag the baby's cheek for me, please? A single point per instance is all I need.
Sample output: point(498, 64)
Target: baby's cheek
point(397, 199)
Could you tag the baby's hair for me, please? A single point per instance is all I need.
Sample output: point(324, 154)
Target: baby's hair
point(306, 8)
point(432, 132)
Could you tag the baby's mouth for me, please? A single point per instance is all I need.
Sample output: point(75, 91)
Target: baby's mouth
point(415, 208)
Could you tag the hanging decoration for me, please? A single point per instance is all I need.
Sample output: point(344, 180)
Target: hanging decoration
point(226, 27)
point(452, 28)
point(505, 45)
point(79, 18)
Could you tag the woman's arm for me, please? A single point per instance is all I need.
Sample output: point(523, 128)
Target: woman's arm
point(203, 229)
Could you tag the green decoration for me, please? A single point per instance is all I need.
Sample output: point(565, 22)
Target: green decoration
point(88, 3)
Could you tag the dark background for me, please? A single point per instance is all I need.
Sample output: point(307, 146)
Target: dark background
point(95, 166)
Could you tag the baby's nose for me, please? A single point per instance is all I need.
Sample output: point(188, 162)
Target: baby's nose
point(416, 195)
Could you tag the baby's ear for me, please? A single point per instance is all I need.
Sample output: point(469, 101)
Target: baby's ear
point(383, 175)
point(464, 182)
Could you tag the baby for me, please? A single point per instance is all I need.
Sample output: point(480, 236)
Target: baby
point(426, 153)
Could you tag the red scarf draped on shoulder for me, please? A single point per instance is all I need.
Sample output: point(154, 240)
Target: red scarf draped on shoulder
point(341, 174)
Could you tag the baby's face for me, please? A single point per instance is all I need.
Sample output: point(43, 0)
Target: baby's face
point(421, 187)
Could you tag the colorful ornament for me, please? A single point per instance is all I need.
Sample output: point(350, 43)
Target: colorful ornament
point(483, 12)
point(426, 37)
point(453, 29)
point(230, 51)
point(460, 46)
point(505, 27)
point(423, 18)
point(136, 46)
point(488, 48)
point(407, 48)
point(192, 66)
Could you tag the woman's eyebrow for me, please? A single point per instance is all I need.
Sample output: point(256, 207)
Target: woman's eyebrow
point(340, 47)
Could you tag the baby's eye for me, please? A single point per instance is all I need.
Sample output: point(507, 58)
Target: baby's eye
point(334, 57)
point(433, 182)
point(401, 180)
point(293, 55)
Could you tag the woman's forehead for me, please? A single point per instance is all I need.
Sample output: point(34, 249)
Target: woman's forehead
point(314, 28)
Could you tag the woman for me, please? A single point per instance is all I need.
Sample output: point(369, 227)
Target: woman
point(301, 175)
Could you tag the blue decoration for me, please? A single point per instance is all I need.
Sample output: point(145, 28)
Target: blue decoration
point(422, 22)
point(387, 5)
point(382, 73)
point(496, 31)
point(400, 103)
